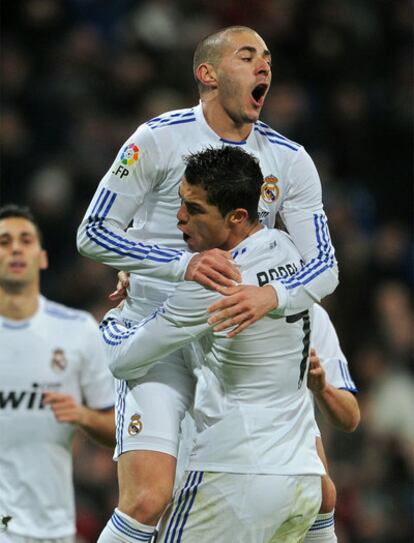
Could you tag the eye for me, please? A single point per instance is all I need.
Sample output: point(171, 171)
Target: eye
point(247, 59)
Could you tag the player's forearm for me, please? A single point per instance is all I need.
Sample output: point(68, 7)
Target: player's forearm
point(103, 241)
point(302, 290)
point(99, 425)
point(339, 406)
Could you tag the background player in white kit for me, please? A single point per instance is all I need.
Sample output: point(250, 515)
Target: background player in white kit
point(254, 470)
point(51, 363)
point(233, 72)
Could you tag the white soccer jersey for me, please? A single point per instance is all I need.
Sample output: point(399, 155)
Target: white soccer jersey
point(58, 349)
point(326, 343)
point(142, 186)
point(252, 410)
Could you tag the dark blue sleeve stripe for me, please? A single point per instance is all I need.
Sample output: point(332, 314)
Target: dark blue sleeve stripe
point(346, 376)
point(102, 236)
point(182, 121)
point(323, 261)
point(159, 120)
point(96, 227)
point(98, 200)
point(114, 335)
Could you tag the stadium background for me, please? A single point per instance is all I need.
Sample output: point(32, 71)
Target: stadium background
point(78, 76)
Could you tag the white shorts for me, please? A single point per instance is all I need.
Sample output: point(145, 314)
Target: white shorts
point(149, 410)
point(242, 508)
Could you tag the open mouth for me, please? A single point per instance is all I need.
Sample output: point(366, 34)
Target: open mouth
point(186, 237)
point(258, 93)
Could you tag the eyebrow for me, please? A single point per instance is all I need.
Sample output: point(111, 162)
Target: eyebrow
point(251, 49)
point(20, 234)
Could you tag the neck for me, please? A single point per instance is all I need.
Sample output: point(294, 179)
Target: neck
point(247, 231)
point(223, 125)
point(19, 305)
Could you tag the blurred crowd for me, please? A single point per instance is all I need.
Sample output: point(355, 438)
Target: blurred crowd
point(78, 76)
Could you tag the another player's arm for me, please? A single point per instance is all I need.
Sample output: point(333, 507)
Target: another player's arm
point(102, 236)
point(340, 407)
point(99, 424)
point(303, 214)
point(181, 320)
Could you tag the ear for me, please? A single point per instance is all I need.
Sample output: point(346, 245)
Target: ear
point(206, 75)
point(44, 260)
point(238, 216)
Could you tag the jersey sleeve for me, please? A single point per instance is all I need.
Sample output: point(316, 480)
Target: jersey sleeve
point(102, 234)
point(324, 340)
point(179, 321)
point(303, 214)
point(97, 383)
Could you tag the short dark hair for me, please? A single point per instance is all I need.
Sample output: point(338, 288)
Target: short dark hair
point(231, 177)
point(21, 212)
point(210, 48)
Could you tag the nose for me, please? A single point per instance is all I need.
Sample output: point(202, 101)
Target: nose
point(182, 215)
point(263, 66)
point(16, 247)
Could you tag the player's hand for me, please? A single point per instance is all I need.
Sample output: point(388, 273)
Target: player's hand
point(120, 293)
point(316, 374)
point(65, 407)
point(241, 306)
point(213, 269)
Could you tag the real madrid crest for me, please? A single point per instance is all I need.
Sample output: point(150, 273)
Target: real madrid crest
point(270, 191)
point(135, 426)
point(59, 360)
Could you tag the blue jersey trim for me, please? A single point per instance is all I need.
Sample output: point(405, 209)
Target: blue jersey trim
point(230, 142)
point(102, 236)
point(323, 261)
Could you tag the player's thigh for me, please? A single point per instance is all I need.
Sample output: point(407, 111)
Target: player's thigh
point(149, 410)
point(224, 507)
point(7, 537)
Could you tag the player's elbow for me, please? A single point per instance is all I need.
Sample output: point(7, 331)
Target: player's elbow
point(333, 278)
point(352, 422)
point(82, 240)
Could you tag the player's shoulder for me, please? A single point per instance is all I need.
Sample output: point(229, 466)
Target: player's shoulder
point(275, 140)
point(59, 312)
point(174, 118)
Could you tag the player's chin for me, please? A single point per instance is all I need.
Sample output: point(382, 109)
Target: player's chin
point(253, 114)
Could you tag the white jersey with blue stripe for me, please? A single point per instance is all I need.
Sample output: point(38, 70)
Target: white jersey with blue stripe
point(326, 343)
point(60, 350)
point(252, 409)
point(131, 221)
